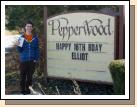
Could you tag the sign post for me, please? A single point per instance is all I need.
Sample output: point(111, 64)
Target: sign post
point(121, 32)
point(45, 46)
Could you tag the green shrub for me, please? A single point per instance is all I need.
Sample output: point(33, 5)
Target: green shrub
point(117, 70)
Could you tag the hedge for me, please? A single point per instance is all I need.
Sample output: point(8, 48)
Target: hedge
point(117, 70)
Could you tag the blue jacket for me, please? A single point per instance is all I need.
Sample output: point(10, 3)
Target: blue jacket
point(30, 50)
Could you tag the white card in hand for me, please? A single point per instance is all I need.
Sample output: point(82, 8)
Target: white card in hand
point(21, 40)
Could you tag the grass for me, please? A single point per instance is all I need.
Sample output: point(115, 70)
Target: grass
point(58, 86)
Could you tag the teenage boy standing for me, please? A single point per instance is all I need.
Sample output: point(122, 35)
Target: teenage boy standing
point(28, 47)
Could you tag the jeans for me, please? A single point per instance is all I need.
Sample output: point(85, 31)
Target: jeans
point(27, 69)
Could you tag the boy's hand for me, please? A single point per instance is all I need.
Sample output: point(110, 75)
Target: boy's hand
point(16, 43)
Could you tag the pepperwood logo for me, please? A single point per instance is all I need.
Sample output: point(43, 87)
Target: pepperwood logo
point(61, 25)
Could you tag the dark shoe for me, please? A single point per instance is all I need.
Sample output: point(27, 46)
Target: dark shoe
point(27, 91)
point(23, 92)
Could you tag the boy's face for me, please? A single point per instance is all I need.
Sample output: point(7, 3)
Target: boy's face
point(28, 27)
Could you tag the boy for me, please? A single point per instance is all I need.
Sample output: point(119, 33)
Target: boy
point(28, 48)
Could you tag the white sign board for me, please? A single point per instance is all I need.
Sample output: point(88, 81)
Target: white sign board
point(80, 46)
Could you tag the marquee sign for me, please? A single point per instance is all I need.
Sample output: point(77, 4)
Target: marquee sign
point(80, 46)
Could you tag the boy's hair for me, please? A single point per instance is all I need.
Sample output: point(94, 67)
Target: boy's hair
point(29, 22)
